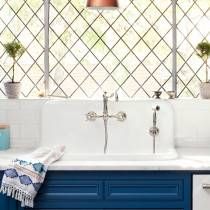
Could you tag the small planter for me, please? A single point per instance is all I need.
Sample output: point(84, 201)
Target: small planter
point(12, 89)
point(205, 90)
point(15, 50)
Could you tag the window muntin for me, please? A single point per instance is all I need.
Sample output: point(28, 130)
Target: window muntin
point(193, 21)
point(129, 50)
point(23, 20)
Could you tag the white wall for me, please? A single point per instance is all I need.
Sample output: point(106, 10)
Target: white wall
point(24, 117)
point(192, 121)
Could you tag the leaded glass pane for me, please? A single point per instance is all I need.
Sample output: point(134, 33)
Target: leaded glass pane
point(192, 27)
point(128, 50)
point(23, 20)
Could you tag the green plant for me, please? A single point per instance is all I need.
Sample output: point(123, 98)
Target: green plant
point(203, 51)
point(15, 50)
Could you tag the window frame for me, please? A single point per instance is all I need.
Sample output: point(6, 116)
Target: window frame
point(177, 68)
point(47, 47)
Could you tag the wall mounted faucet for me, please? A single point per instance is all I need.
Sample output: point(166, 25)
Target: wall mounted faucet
point(154, 130)
point(120, 116)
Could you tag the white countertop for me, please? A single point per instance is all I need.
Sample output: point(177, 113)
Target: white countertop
point(189, 159)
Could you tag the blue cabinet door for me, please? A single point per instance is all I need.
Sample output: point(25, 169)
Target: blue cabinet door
point(103, 209)
point(7, 203)
point(4, 202)
point(121, 190)
point(115, 190)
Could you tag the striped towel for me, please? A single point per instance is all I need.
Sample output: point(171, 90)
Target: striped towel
point(26, 174)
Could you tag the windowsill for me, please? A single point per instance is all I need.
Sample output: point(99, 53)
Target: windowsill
point(98, 99)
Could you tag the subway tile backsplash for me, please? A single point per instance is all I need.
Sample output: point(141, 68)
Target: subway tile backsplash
point(24, 118)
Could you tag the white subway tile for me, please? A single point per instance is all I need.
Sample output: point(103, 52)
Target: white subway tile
point(23, 143)
point(34, 104)
point(3, 117)
point(30, 116)
point(15, 131)
point(14, 116)
point(3, 105)
point(30, 131)
point(13, 105)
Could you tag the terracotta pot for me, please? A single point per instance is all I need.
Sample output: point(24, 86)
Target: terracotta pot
point(12, 89)
point(205, 90)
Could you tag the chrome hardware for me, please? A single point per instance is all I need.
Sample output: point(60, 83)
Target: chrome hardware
point(206, 186)
point(157, 94)
point(171, 94)
point(91, 116)
point(105, 100)
point(120, 116)
point(154, 130)
point(116, 97)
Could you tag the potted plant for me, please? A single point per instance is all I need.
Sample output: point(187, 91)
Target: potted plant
point(15, 50)
point(203, 51)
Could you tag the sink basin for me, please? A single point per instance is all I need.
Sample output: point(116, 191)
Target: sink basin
point(64, 122)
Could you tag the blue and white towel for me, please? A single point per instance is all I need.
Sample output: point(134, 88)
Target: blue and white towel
point(25, 176)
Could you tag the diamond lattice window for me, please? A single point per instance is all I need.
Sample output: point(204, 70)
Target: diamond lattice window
point(193, 21)
point(127, 50)
point(23, 20)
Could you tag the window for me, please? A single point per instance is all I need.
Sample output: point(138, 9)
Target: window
point(23, 20)
point(193, 21)
point(127, 50)
point(130, 50)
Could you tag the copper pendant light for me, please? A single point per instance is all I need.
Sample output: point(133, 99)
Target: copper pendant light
point(102, 4)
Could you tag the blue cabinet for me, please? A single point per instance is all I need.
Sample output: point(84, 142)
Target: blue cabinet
point(7, 203)
point(113, 190)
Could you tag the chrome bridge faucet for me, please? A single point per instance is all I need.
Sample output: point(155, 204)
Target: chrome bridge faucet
point(120, 116)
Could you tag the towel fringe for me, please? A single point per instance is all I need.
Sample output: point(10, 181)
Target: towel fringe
point(17, 194)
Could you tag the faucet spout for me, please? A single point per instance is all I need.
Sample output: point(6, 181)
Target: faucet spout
point(105, 102)
point(92, 116)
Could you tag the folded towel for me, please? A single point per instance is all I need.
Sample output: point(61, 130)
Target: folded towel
point(25, 176)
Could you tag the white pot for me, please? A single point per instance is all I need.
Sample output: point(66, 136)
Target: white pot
point(205, 90)
point(12, 89)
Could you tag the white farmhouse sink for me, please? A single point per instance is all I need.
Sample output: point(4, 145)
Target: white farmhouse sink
point(64, 122)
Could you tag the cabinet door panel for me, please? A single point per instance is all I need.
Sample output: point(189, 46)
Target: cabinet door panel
point(103, 209)
point(7, 203)
point(4, 202)
point(144, 190)
point(68, 193)
point(201, 192)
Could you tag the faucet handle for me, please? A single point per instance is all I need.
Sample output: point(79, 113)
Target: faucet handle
point(91, 116)
point(156, 108)
point(105, 95)
point(116, 96)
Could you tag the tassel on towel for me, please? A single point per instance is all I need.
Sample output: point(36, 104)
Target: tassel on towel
point(23, 179)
